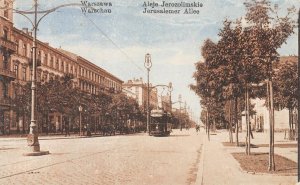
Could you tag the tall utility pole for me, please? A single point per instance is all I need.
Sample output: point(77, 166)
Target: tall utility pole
point(148, 65)
point(298, 96)
point(170, 89)
point(32, 138)
point(179, 100)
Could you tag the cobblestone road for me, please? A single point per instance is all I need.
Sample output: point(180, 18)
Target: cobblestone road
point(129, 159)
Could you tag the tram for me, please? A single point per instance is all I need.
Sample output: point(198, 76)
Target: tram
point(160, 123)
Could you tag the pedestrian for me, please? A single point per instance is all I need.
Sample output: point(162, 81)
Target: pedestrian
point(88, 132)
point(67, 129)
point(197, 128)
point(251, 134)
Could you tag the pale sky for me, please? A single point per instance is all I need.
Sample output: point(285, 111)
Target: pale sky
point(119, 41)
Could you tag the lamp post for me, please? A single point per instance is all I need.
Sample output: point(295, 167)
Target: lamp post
point(80, 110)
point(179, 100)
point(298, 95)
point(148, 65)
point(170, 89)
point(32, 138)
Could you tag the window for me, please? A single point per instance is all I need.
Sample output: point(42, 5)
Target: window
point(51, 61)
point(16, 70)
point(67, 68)
point(62, 66)
point(17, 43)
point(45, 77)
point(5, 61)
point(39, 55)
point(6, 9)
point(5, 33)
point(39, 76)
point(24, 73)
point(25, 50)
point(4, 90)
point(57, 64)
point(46, 59)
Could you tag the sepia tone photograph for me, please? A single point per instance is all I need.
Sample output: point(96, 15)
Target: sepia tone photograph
point(161, 92)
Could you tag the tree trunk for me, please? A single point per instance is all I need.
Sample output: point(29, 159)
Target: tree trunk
point(23, 123)
point(290, 124)
point(236, 121)
point(271, 118)
point(47, 124)
point(18, 120)
point(247, 121)
point(230, 122)
point(208, 125)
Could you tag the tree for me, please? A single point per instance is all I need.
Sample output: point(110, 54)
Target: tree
point(266, 32)
point(21, 102)
point(243, 56)
point(285, 88)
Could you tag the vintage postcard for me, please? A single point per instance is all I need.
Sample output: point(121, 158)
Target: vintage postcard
point(160, 92)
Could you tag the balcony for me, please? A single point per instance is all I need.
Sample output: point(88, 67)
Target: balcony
point(8, 44)
point(87, 80)
point(7, 73)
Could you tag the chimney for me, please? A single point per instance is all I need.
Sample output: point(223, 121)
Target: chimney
point(25, 30)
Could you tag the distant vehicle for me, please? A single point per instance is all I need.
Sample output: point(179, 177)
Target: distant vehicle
point(160, 124)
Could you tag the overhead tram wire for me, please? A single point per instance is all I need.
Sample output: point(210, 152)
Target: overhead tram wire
point(96, 26)
point(102, 32)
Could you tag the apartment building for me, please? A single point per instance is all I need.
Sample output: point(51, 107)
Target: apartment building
point(137, 89)
point(15, 67)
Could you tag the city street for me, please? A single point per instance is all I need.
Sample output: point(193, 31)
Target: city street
point(123, 159)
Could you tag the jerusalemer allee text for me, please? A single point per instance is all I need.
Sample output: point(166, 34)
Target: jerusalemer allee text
point(164, 7)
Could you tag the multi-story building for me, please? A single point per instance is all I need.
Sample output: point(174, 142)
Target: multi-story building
point(137, 89)
point(166, 103)
point(15, 59)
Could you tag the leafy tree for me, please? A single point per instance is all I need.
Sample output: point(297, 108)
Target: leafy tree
point(285, 88)
point(21, 102)
point(243, 56)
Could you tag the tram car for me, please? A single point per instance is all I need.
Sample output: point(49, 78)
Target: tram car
point(160, 123)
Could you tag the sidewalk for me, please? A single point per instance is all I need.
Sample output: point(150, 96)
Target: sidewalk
point(217, 165)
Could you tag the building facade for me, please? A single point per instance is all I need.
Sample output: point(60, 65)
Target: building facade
point(15, 67)
point(137, 89)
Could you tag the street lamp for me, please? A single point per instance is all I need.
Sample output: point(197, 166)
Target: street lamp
point(32, 138)
point(298, 96)
point(80, 110)
point(170, 89)
point(179, 100)
point(148, 65)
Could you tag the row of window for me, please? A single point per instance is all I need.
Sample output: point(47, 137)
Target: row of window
point(23, 72)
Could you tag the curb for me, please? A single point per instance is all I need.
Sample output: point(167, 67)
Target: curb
point(269, 174)
point(199, 179)
point(257, 173)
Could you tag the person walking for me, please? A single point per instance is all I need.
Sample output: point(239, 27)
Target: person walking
point(67, 129)
point(197, 128)
point(251, 134)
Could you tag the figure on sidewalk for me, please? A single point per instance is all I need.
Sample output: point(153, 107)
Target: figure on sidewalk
point(197, 128)
point(67, 129)
point(251, 134)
